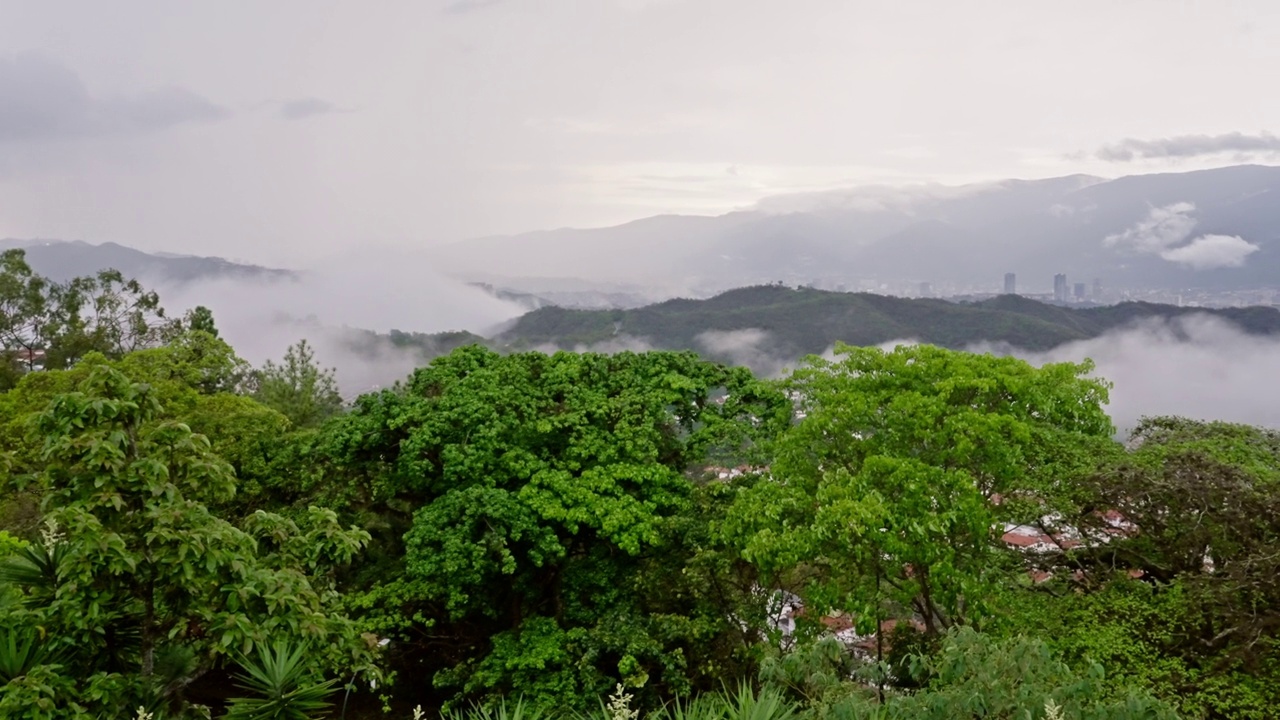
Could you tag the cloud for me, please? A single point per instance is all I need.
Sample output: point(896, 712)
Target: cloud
point(749, 347)
point(41, 98)
point(306, 107)
point(331, 301)
point(1197, 366)
point(1189, 146)
point(1164, 230)
point(1212, 251)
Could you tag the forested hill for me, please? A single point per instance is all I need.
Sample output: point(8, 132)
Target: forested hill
point(805, 321)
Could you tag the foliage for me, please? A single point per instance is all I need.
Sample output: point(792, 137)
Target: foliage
point(44, 324)
point(1191, 511)
point(137, 571)
point(298, 388)
point(283, 684)
point(885, 501)
point(548, 495)
point(200, 319)
point(974, 676)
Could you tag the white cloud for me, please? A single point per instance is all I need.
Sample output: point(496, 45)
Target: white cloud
point(1212, 251)
point(1166, 228)
point(1163, 228)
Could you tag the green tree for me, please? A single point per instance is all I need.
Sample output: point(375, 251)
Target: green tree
point(299, 388)
point(44, 324)
point(139, 584)
point(200, 319)
point(549, 507)
point(26, 322)
point(974, 676)
point(887, 499)
point(1191, 510)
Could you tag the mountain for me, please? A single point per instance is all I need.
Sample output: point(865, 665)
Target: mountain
point(791, 323)
point(62, 260)
point(970, 234)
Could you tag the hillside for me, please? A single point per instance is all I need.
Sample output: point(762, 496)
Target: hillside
point(62, 260)
point(791, 323)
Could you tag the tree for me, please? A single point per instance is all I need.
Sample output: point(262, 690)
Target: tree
point(110, 314)
point(975, 676)
point(301, 390)
point(44, 324)
point(887, 499)
point(138, 584)
point(26, 323)
point(548, 511)
point(200, 319)
point(1191, 510)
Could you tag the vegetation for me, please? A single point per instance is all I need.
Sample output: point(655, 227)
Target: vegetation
point(915, 533)
point(805, 321)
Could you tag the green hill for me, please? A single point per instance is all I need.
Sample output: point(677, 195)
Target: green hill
point(805, 321)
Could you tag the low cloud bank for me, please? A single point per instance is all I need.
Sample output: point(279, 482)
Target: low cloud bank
point(1197, 366)
point(330, 304)
point(1189, 146)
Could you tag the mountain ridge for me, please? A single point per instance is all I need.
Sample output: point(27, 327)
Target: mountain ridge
point(954, 234)
point(62, 260)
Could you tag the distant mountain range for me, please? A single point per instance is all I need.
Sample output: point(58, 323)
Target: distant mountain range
point(1213, 229)
point(62, 260)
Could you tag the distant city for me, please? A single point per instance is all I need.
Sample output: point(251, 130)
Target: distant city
point(1065, 291)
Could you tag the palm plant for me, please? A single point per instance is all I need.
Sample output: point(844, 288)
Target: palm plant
point(767, 704)
point(702, 707)
point(284, 686)
point(501, 711)
point(19, 653)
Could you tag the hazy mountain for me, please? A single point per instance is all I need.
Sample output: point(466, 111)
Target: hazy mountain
point(63, 260)
point(1213, 229)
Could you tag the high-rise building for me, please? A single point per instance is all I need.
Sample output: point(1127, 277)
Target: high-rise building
point(1079, 288)
point(1060, 287)
point(1097, 289)
point(1010, 283)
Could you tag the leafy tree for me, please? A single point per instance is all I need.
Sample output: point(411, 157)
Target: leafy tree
point(26, 322)
point(973, 676)
point(141, 585)
point(300, 389)
point(44, 324)
point(107, 313)
point(200, 319)
point(887, 499)
point(544, 503)
point(1192, 511)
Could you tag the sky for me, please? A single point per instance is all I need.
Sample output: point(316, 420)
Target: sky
point(293, 129)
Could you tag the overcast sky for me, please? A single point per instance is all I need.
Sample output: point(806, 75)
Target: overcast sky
point(262, 130)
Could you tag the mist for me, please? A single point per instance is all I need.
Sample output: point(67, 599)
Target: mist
point(1197, 367)
point(332, 301)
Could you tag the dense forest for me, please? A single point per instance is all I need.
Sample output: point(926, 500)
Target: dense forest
point(915, 533)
